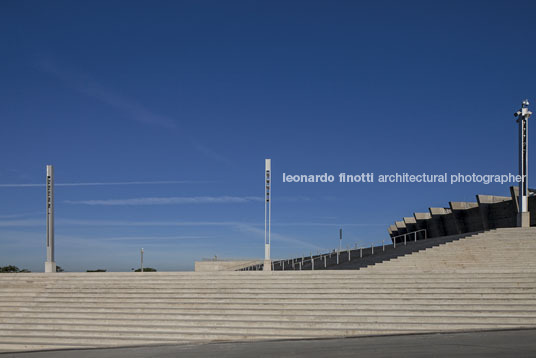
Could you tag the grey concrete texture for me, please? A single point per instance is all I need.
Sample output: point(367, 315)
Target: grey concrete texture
point(480, 282)
point(411, 224)
point(422, 216)
point(462, 205)
point(488, 212)
point(410, 220)
point(488, 344)
point(223, 265)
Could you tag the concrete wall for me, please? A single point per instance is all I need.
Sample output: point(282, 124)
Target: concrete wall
point(205, 266)
point(401, 227)
point(411, 224)
point(420, 220)
point(488, 212)
point(435, 226)
point(467, 216)
point(420, 223)
point(497, 211)
point(393, 231)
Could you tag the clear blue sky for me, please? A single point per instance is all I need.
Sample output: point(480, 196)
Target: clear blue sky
point(198, 93)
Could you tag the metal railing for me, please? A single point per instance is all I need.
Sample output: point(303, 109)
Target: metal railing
point(414, 233)
point(320, 260)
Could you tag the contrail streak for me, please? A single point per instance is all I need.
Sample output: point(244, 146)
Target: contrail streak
point(107, 183)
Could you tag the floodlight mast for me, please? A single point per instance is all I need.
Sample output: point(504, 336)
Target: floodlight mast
point(523, 216)
point(267, 215)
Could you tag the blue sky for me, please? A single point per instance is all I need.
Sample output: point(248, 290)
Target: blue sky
point(167, 110)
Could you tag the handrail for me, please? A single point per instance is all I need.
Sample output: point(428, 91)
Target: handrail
point(409, 233)
point(298, 262)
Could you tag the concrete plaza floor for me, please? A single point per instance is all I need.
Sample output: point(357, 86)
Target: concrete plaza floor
point(514, 343)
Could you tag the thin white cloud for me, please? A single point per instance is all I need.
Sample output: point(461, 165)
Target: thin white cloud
point(22, 223)
point(96, 222)
point(305, 223)
point(14, 216)
point(170, 200)
point(86, 85)
point(152, 238)
point(112, 223)
point(155, 182)
point(259, 232)
point(134, 111)
point(75, 222)
point(209, 152)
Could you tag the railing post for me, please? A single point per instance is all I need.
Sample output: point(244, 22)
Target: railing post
point(415, 236)
point(283, 266)
point(312, 263)
point(300, 265)
point(383, 245)
point(337, 257)
point(348, 254)
point(372, 248)
point(325, 262)
point(405, 239)
point(360, 252)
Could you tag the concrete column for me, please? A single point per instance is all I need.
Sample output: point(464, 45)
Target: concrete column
point(267, 215)
point(50, 264)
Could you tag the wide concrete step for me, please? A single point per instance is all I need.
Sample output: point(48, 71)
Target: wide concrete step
point(288, 302)
point(414, 278)
point(525, 283)
point(125, 338)
point(260, 310)
point(252, 292)
point(305, 277)
point(191, 276)
point(269, 297)
point(22, 346)
point(290, 321)
point(240, 328)
point(257, 307)
point(482, 288)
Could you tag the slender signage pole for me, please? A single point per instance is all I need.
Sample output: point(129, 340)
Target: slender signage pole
point(50, 264)
point(523, 216)
point(267, 215)
point(340, 239)
point(141, 260)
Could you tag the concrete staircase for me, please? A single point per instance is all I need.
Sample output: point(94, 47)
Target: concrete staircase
point(487, 281)
point(502, 250)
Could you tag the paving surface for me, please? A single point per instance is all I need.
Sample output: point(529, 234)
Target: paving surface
point(520, 343)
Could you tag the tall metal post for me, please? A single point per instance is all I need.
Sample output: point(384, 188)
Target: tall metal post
point(50, 264)
point(523, 216)
point(340, 238)
point(141, 260)
point(267, 214)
